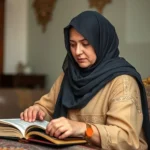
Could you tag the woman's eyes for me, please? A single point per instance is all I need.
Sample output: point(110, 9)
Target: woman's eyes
point(72, 45)
point(83, 44)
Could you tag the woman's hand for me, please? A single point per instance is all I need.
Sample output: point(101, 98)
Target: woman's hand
point(63, 127)
point(32, 113)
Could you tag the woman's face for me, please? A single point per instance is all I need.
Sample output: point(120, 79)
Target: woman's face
point(83, 53)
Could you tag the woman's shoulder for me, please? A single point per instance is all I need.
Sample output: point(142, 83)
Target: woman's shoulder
point(125, 79)
point(58, 81)
point(124, 88)
point(60, 78)
point(124, 83)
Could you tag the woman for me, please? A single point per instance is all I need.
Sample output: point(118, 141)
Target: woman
point(99, 96)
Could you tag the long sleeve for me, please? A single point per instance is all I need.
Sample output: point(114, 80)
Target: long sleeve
point(124, 117)
point(47, 102)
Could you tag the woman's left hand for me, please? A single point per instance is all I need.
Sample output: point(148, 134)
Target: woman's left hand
point(63, 127)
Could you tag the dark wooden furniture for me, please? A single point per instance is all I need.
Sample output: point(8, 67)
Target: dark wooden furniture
point(22, 81)
point(1, 33)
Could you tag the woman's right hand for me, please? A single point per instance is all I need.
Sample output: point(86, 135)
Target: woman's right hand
point(32, 113)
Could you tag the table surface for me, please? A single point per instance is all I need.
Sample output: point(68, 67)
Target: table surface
point(15, 145)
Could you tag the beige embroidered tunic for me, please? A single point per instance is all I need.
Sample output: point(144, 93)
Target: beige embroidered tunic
point(115, 110)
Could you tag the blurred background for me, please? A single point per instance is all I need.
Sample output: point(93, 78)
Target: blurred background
point(36, 57)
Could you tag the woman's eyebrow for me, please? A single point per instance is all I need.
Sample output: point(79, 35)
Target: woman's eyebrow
point(71, 40)
point(82, 40)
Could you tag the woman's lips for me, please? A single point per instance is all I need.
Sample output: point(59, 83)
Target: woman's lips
point(81, 60)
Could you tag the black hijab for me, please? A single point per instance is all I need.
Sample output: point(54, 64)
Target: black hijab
point(80, 85)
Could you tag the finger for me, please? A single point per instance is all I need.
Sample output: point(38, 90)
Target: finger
point(57, 127)
point(53, 126)
point(34, 114)
point(60, 131)
point(25, 114)
point(65, 134)
point(48, 128)
point(30, 114)
point(41, 115)
point(21, 116)
point(51, 129)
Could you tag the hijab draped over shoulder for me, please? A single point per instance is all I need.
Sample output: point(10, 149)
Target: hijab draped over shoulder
point(80, 85)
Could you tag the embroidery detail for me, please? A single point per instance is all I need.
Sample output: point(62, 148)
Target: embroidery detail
point(127, 95)
point(126, 83)
point(109, 141)
point(95, 119)
point(140, 147)
point(137, 105)
point(148, 93)
point(92, 118)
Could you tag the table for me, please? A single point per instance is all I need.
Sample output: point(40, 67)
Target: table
point(15, 145)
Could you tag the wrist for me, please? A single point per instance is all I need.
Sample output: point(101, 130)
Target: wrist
point(81, 131)
point(89, 132)
point(86, 130)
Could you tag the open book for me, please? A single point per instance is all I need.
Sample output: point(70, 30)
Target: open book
point(32, 132)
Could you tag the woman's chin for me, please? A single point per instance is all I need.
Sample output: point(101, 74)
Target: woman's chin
point(82, 65)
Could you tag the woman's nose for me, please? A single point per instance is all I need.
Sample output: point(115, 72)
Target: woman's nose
point(79, 50)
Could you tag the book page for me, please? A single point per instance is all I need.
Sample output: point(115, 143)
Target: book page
point(22, 125)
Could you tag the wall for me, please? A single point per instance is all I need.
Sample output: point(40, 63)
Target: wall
point(45, 52)
point(125, 15)
point(16, 30)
